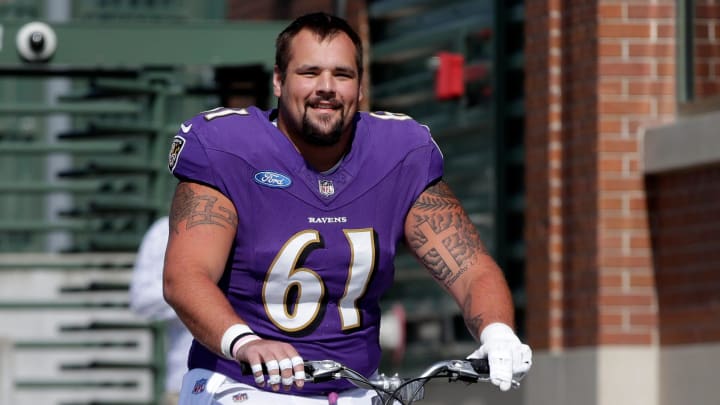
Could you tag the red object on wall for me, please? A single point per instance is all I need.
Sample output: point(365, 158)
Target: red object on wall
point(449, 81)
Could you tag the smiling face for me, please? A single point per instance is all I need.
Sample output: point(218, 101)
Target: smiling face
point(320, 91)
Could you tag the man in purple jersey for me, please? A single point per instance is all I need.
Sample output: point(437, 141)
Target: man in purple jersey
point(284, 227)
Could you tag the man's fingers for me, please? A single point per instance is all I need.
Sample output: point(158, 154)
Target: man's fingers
point(258, 374)
point(299, 368)
point(285, 364)
point(522, 361)
point(274, 381)
point(273, 369)
point(286, 372)
point(281, 362)
point(501, 368)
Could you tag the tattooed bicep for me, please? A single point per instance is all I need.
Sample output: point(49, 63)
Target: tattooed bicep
point(195, 205)
point(441, 235)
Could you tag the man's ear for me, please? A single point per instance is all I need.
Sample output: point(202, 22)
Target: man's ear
point(277, 82)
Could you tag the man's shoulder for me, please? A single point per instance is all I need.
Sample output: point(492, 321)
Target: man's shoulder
point(389, 119)
point(394, 131)
point(220, 126)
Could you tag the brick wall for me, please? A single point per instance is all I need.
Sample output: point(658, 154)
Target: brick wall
point(637, 91)
point(543, 271)
point(599, 74)
point(685, 219)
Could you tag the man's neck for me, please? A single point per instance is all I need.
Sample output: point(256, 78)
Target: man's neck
point(322, 158)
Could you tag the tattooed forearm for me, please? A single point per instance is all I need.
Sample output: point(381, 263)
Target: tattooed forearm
point(198, 209)
point(442, 235)
point(473, 322)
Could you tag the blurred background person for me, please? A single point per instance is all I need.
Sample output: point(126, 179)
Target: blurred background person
point(146, 300)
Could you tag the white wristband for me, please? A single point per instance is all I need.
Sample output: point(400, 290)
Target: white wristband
point(233, 333)
point(497, 330)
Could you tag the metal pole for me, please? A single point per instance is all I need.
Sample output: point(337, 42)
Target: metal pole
point(57, 11)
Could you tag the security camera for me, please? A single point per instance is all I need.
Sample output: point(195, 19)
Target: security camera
point(36, 42)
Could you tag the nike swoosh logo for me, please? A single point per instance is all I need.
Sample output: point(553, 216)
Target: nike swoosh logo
point(185, 128)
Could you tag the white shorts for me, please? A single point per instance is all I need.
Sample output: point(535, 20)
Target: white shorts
point(205, 387)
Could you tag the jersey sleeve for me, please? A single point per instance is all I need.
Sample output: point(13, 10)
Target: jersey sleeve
point(435, 161)
point(188, 158)
point(425, 162)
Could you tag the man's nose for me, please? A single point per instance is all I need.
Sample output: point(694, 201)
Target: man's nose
point(326, 83)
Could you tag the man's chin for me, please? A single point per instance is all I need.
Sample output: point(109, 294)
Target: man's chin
point(322, 136)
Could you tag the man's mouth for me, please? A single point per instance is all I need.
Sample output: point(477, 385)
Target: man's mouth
point(324, 105)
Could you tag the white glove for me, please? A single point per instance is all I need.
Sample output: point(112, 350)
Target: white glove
point(509, 359)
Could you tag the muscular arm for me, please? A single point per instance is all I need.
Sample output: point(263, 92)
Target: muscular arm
point(440, 234)
point(203, 223)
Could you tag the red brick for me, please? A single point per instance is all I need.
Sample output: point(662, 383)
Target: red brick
point(651, 11)
point(611, 48)
point(655, 50)
point(608, 144)
point(641, 338)
point(611, 69)
point(611, 86)
point(624, 107)
point(614, 300)
point(624, 31)
point(655, 87)
point(620, 184)
point(611, 10)
point(666, 31)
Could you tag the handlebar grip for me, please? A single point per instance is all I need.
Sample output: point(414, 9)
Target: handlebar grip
point(481, 366)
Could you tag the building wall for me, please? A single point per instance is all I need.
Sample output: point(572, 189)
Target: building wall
point(685, 218)
point(610, 66)
point(622, 262)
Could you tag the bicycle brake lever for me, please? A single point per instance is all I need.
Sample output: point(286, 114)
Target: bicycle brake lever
point(322, 370)
point(462, 370)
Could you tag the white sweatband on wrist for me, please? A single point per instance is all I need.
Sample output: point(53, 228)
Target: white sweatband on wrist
point(497, 330)
point(242, 341)
point(231, 335)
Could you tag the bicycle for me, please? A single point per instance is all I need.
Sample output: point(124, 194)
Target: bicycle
point(395, 388)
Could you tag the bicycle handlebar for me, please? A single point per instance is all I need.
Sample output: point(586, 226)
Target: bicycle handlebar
point(395, 388)
point(471, 370)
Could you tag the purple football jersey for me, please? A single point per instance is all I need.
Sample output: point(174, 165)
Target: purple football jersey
point(313, 252)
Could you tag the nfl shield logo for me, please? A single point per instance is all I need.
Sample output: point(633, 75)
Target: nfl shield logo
point(199, 386)
point(326, 187)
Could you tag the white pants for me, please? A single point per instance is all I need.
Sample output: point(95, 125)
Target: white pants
point(205, 387)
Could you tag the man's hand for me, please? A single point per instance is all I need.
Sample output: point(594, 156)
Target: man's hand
point(281, 360)
point(509, 359)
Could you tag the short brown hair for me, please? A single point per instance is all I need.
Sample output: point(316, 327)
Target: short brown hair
point(321, 24)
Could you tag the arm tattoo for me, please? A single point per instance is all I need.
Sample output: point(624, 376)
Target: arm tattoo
point(438, 213)
point(198, 209)
point(473, 323)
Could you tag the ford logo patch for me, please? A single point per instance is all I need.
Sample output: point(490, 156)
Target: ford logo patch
point(272, 179)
